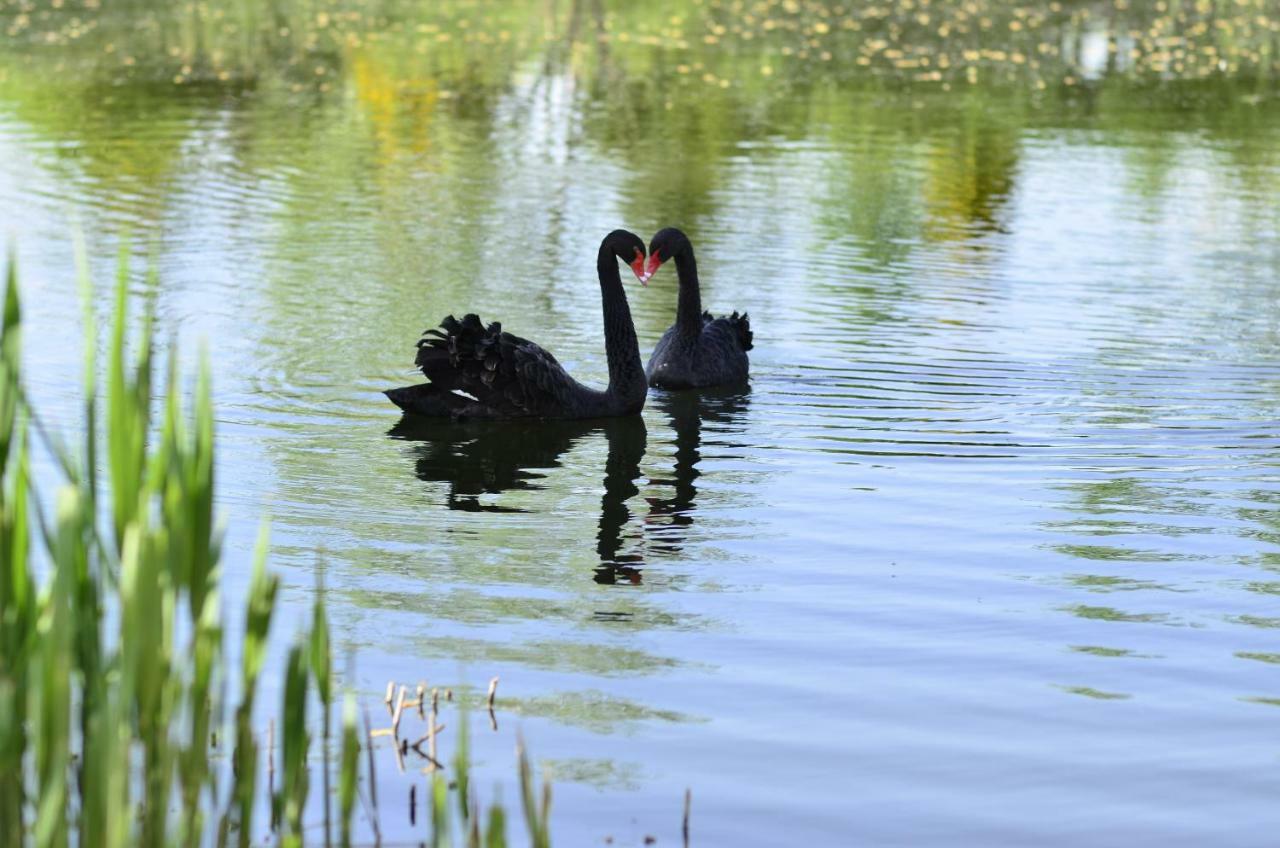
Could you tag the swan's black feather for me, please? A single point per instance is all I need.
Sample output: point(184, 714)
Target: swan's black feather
point(508, 376)
point(740, 325)
point(427, 399)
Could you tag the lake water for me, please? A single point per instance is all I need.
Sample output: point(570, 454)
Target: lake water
point(988, 554)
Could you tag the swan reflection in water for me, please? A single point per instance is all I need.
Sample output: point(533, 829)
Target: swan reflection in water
point(670, 517)
point(476, 458)
point(488, 458)
point(627, 440)
point(666, 525)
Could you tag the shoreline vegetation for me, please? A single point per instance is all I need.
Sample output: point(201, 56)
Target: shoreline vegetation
point(752, 44)
point(114, 718)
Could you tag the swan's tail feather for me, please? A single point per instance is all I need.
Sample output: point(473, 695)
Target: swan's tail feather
point(488, 373)
point(458, 348)
point(461, 354)
point(742, 327)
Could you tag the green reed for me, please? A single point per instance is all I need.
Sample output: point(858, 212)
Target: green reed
point(112, 657)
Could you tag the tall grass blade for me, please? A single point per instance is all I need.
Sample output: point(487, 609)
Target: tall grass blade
point(17, 590)
point(147, 613)
point(350, 769)
point(495, 834)
point(439, 811)
point(194, 772)
point(56, 631)
point(535, 815)
point(262, 598)
point(106, 817)
point(10, 361)
point(320, 658)
point(292, 798)
point(462, 768)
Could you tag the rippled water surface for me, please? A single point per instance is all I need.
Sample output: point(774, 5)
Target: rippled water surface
point(987, 554)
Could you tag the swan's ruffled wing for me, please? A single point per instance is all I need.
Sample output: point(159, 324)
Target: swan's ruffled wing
point(508, 376)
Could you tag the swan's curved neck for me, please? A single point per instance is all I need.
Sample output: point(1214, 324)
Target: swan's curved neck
point(626, 373)
point(689, 305)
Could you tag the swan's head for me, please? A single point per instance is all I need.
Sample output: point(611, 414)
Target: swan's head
point(628, 247)
point(665, 244)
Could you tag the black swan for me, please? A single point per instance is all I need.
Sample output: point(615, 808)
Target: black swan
point(698, 350)
point(476, 371)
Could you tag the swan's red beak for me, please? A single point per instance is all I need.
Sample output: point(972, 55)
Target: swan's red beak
point(651, 268)
point(637, 268)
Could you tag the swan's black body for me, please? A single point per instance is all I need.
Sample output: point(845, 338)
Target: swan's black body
point(477, 371)
point(698, 350)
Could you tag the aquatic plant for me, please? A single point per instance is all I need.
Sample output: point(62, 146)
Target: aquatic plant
point(112, 658)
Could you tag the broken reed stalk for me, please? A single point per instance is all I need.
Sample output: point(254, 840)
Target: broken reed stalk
point(350, 769)
point(271, 756)
point(395, 715)
point(372, 810)
point(432, 730)
point(493, 692)
point(684, 823)
point(399, 749)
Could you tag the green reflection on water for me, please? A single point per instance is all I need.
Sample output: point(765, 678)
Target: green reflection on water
point(1257, 621)
point(1111, 552)
point(1111, 583)
point(1096, 694)
point(1113, 614)
point(601, 774)
point(1274, 659)
point(584, 657)
point(1101, 651)
point(597, 711)
point(473, 607)
point(1269, 702)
